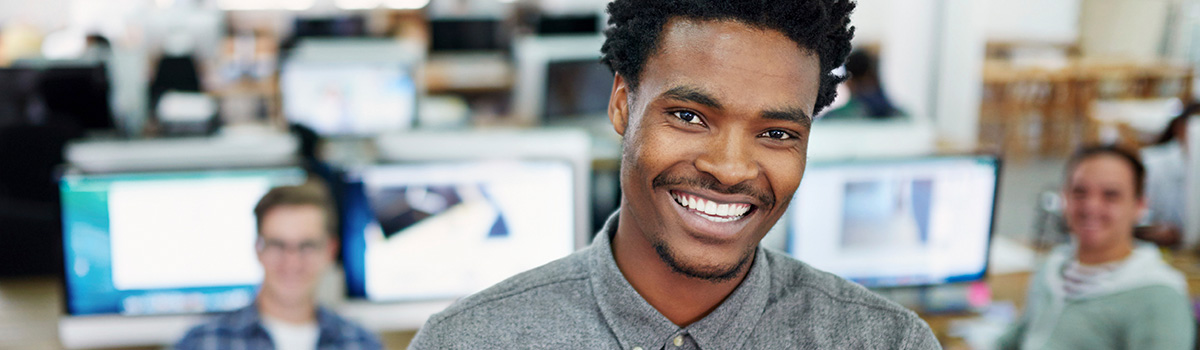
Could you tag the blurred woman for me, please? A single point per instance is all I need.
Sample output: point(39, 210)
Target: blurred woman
point(1103, 290)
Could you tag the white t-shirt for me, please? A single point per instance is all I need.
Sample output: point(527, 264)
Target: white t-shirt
point(288, 336)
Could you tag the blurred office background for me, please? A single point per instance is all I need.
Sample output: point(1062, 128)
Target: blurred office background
point(466, 140)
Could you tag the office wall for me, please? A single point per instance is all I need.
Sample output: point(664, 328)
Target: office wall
point(870, 21)
point(1123, 28)
point(43, 14)
point(1054, 21)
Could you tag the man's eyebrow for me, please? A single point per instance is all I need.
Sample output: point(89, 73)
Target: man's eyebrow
point(795, 115)
point(698, 95)
point(692, 94)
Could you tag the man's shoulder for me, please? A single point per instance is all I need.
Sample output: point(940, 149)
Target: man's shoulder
point(346, 332)
point(538, 300)
point(217, 329)
point(813, 298)
point(795, 280)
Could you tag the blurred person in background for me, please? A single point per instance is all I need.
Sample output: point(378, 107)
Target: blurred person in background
point(1166, 181)
point(97, 47)
point(296, 245)
point(1104, 289)
point(867, 97)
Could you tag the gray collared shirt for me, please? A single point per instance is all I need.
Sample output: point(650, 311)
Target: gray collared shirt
point(584, 302)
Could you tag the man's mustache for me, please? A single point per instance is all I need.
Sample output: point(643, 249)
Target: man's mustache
point(710, 183)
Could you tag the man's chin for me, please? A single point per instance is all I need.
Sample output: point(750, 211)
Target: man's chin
point(288, 295)
point(708, 271)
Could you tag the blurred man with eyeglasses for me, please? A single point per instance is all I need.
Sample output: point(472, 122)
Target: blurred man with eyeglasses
point(296, 244)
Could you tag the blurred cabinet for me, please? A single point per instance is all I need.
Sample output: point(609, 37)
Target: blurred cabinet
point(1049, 109)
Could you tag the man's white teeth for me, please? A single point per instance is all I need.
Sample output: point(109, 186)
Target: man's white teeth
point(723, 212)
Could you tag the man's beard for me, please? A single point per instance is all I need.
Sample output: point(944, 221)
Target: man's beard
point(714, 274)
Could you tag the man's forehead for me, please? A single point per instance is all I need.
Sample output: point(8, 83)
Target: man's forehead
point(1104, 171)
point(734, 63)
point(683, 35)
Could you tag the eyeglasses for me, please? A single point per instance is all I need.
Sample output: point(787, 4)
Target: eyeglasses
point(277, 248)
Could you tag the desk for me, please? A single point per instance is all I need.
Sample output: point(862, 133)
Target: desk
point(1005, 287)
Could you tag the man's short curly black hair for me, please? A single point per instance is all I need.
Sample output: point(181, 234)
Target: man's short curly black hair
point(819, 26)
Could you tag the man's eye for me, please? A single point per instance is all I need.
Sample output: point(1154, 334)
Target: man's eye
point(691, 118)
point(778, 135)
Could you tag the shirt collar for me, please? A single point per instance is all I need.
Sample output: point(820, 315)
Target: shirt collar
point(637, 324)
point(246, 320)
point(330, 324)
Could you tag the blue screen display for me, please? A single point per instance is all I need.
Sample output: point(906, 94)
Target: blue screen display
point(163, 243)
point(430, 231)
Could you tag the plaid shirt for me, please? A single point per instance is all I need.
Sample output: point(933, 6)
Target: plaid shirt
point(242, 329)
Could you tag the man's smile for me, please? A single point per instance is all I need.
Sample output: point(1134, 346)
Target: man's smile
point(712, 210)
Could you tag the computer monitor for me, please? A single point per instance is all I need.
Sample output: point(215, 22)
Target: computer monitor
point(442, 230)
point(576, 89)
point(344, 98)
point(569, 24)
point(229, 149)
point(560, 80)
point(468, 35)
point(323, 27)
point(73, 91)
point(891, 223)
point(163, 243)
point(16, 94)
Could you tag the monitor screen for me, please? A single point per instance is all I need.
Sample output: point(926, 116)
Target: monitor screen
point(467, 34)
point(163, 243)
point(569, 24)
point(896, 222)
point(348, 98)
point(426, 231)
point(72, 92)
point(576, 88)
point(80, 93)
point(16, 94)
point(321, 27)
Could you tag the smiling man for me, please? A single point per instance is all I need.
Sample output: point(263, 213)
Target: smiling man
point(714, 101)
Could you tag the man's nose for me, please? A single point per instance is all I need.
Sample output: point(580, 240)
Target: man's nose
point(729, 159)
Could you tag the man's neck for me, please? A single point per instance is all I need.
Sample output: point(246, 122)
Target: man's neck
point(304, 312)
point(1114, 252)
point(681, 299)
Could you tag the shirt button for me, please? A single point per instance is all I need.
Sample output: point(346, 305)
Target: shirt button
point(679, 340)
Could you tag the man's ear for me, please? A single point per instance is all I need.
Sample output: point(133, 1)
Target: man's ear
point(332, 248)
point(618, 105)
point(1143, 206)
